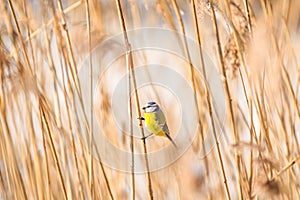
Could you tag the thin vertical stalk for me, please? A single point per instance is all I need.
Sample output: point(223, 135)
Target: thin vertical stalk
point(131, 136)
point(252, 132)
point(35, 33)
point(69, 55)
point(237, 40)
point(2, 187)
point(91, 135)
point(70, 49)
point(58, 110)
point(74, 148)
point(207, 97)
point(267, 7)
point(227, 91)
point(20, 37)
point(29, 39)
point(54, 153)
point(192, 70)
point(246, 5)
point(204, 75)
point(132, 167)
point(268, 15)
point(131, 67)
point(48, 190)
point(104, 174)
point(14, 177)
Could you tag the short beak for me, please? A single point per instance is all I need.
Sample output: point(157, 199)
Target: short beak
point(143, 108)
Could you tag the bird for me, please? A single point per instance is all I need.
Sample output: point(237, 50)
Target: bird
point(155, 121)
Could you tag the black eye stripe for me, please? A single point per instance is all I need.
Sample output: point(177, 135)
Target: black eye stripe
point(149, 106)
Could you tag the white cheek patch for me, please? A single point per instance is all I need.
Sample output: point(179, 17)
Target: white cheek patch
point(150, 109)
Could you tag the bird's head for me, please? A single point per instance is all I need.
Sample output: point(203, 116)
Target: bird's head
point(151, 107)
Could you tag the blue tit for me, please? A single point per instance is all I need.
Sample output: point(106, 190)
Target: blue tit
point(156, 121)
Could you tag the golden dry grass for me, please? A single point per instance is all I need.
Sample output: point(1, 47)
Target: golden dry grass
point(46, 139)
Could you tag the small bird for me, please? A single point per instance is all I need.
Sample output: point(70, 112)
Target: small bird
point(156, 121)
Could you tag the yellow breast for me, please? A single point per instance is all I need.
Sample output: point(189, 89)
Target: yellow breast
point(152, 125)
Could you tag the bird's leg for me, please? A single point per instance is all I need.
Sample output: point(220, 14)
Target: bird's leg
point(145, 137)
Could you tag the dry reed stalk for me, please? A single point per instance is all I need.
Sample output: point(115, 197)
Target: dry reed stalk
point(131, 67)
point(131, 139)
point(64, 29)
point(248, 15)
point(28, 36)
point(197, 31)
point(252, 136)
point(68, 55)
point(268, 15)
point(228, 101)
point(286, 77)
point(27, 63)
point(18, 180)
point(136, 24)
point(68, 95)
point(15, 183)
point(234, 48)
point(136, 18)
point(58, 110)
point(53, 76)
point(187, 53)
point(28, 168)
point(132, 175)
point(50, 22)
point(105, 176)
point(234, 55)
point(262, 117)
point(164, 9)
point(32, 143)
point(242, 28)
point(65, 55)
point(99, 165)
point(132, 170)
point(53, 149)
point(91, 129)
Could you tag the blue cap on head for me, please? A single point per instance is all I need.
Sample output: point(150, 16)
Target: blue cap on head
point(151, 103)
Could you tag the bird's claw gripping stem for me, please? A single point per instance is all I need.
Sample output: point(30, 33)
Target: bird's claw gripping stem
point(145, 137)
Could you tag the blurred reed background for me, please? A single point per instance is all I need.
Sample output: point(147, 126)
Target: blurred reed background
point(43, 151)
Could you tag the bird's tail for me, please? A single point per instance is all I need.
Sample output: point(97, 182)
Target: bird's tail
point(169, 137)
